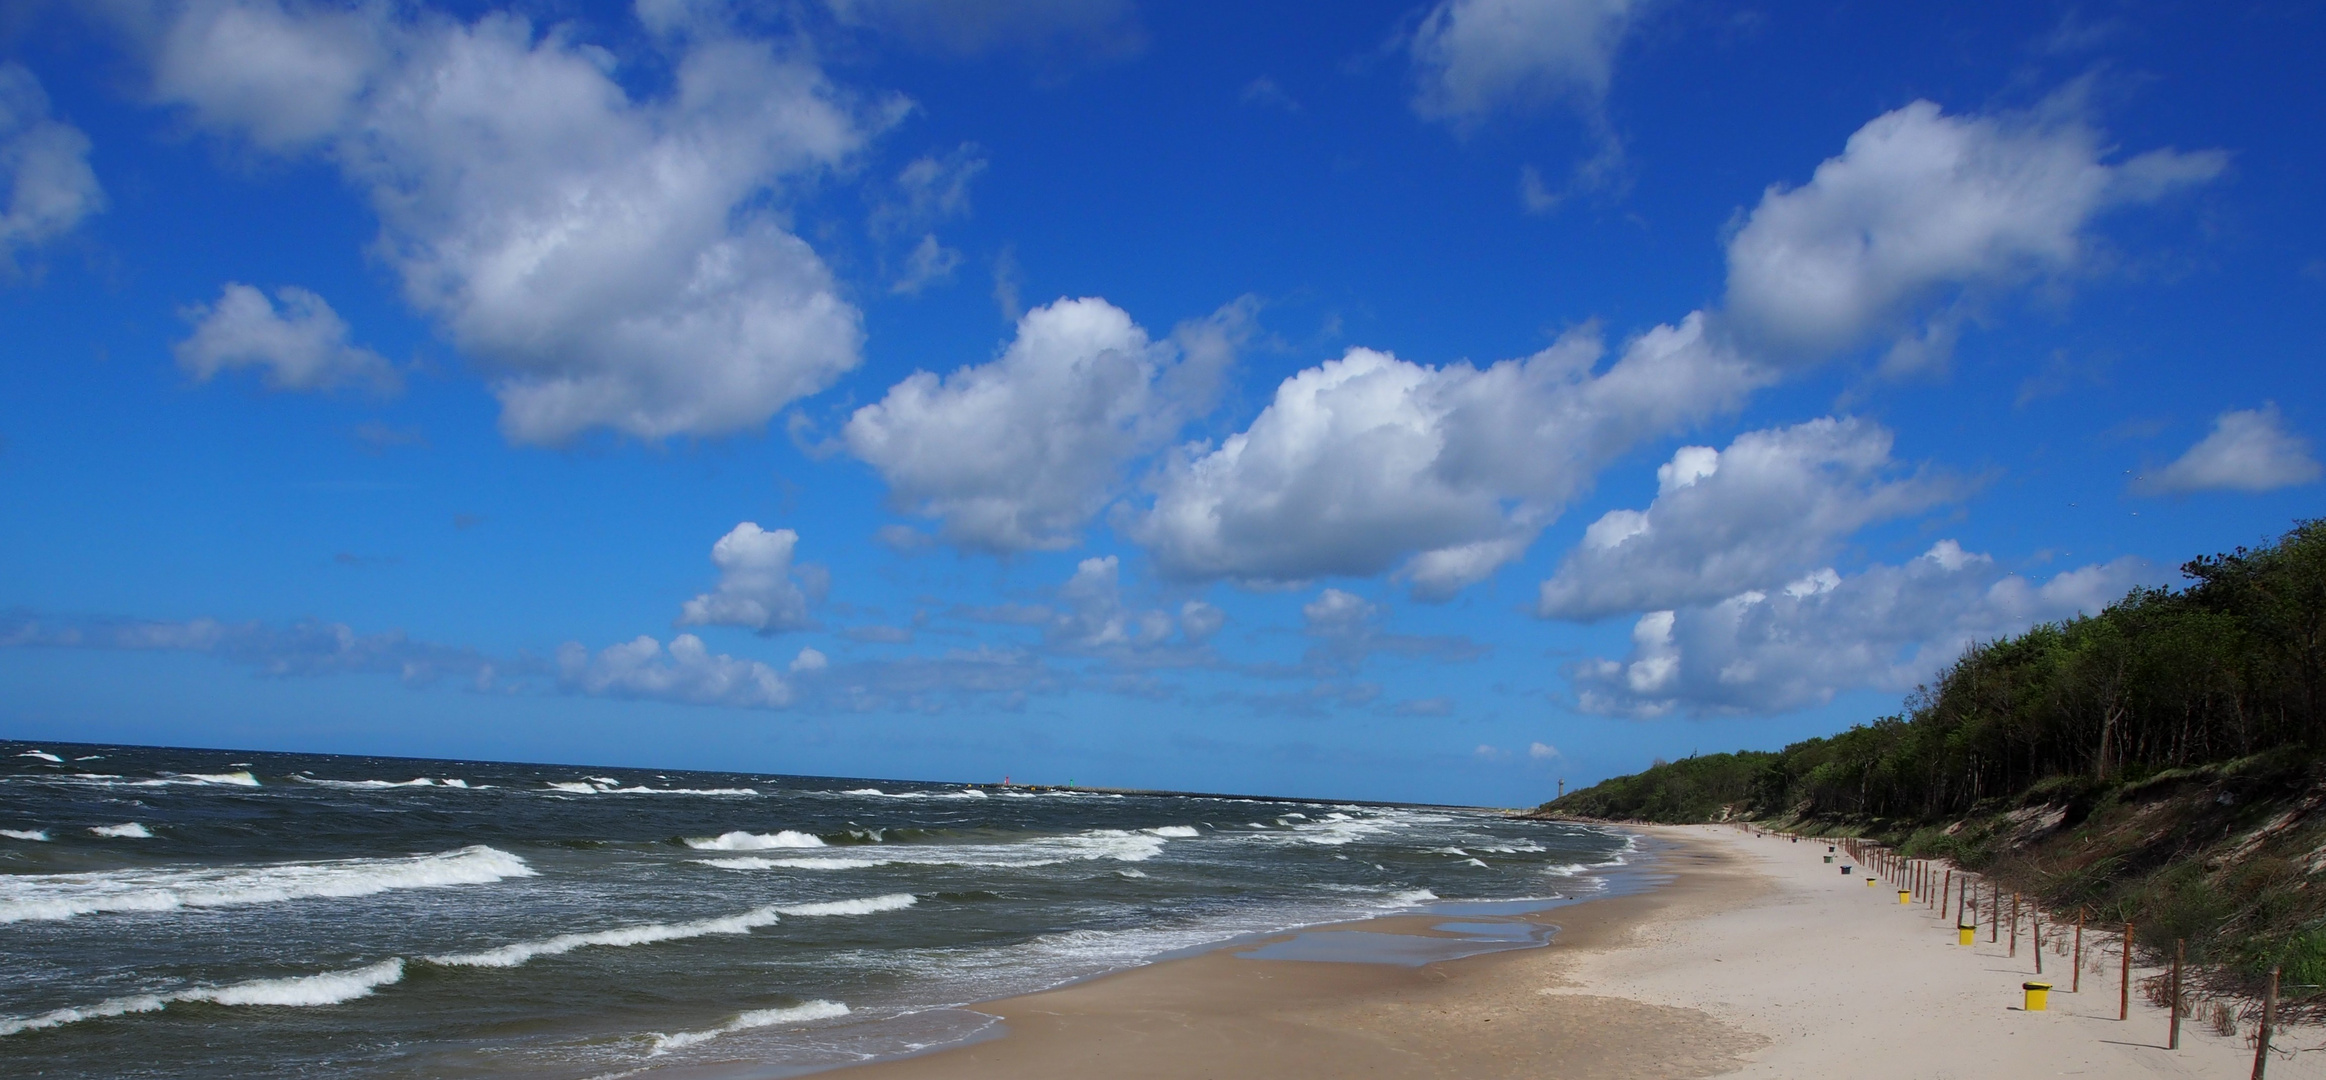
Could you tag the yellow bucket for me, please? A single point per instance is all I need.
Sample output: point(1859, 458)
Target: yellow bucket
point(2038, 995)
point(1964, 934)
point(1870, 883)
point(1905, 897)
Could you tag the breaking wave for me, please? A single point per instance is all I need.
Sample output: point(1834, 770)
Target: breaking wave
point(748, 841)
point(331, 988)
point(520, 953)
point(818, 1009)
point(63, 896)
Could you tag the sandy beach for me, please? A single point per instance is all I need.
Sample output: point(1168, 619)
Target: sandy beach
point(1751, 957)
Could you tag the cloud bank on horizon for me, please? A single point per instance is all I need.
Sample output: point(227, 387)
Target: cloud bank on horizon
point(1743, 458)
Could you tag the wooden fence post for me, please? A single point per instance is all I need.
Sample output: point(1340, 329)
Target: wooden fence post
point(2076, 982)
point(2269, 1019)
point(2180, 953)
point(2124, 987)
point(2035, 931)
point(2014, 924)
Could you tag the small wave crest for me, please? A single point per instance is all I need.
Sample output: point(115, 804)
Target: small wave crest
point(818, 1009)
point(750, 841)
point(49, 897)
point(1119, 845)
point(1176, 832)
point(233, 779)
point(43, 755)
point(606, 785)
point(376, 785)
point(520, 953)
point(127, 830)
point(36, 835)
point(300, 991)
point(868, 905)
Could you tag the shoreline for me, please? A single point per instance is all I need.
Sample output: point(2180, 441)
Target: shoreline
point(1747, 957)
point(1223, 1011)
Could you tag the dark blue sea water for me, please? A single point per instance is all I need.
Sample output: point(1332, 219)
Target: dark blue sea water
point(169, 913)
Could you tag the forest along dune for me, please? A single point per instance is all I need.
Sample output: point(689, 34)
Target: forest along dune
point(1844, 982)
point(2157, 764)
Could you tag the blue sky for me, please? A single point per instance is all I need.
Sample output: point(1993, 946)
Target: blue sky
point(1399, 400)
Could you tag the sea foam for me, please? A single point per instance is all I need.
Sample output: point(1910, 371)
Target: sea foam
point(520, 953)
point(1117, 844)
point(749, 841)
point(127, 830)
point(25, 834)
point(43, 755)
point(330, 988)
point(63, 896)
point(818, 1009)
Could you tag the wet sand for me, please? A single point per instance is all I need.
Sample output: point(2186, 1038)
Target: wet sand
point(1512, 1013)
point(1755, 959)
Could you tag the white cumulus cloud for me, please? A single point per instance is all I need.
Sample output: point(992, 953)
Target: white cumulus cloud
point(757, 589)
point(1369, 463)
point(2247, 450)
point(1772, 505)
point(46, 185)
point(1021, 452)
point(612, 261)
point(303, 345)
point(1888, 628)
point(1472, 57)
point(1095, 615)
point(687, 672)
point(1924, 208)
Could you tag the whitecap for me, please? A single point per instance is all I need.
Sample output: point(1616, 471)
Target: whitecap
point(64, 896)
point(1116, 844)
point(236, 779)
point(748, 841)
point(514, 955)
point(1410, 897)
point(578, 789)
point(1477, 863)
point(127, 830)
point(330, 988)
point(748, 862)
point(519, 953)
point(818, 1009)
point(869, 905)
point(37, 835)
point(359, 785)
point(43, 755)
point(1177, 832)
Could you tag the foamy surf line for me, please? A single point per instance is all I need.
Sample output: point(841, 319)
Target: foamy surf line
point(757, 1018)
point(50, 897)
point(331, 988)
point(520, 953)
point(1120, 845)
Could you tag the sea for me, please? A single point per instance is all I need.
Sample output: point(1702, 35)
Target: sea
point(172, 912)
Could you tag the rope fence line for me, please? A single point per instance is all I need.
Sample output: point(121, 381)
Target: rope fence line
point(1933, 883)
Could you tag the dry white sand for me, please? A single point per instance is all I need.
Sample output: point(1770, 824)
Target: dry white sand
point(1845, 982)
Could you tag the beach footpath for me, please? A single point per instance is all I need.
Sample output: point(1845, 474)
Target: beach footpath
point(1844, 981)
point(1746, 955)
